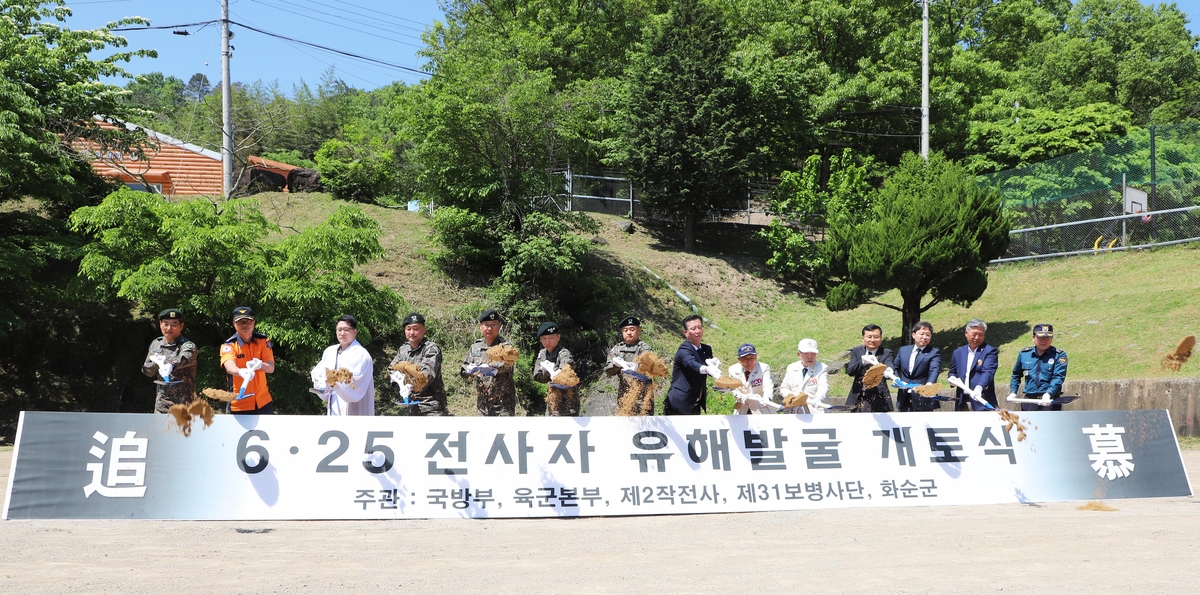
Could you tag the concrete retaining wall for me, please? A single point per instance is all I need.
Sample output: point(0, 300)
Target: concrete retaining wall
point(1180, 396)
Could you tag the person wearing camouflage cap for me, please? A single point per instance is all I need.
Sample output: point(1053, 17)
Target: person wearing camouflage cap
point(172, 359)
point(427, 357)
point(550, 360)
point(630, 347)
point(495, 388)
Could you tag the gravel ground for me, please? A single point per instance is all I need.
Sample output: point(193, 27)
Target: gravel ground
point(1144, 546)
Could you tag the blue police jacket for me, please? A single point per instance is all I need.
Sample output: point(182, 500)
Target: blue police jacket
point(1043, 373)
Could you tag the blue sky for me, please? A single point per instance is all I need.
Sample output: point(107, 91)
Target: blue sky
point(381, 29)
point(389, 31)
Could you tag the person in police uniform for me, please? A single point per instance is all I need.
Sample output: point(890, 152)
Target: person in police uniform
point(1043, 367)
point(495, 388)
point(630, 347)
point(557, 356)
point(180, 354)
point(427, 356)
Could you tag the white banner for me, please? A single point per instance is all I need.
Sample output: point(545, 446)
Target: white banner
point(299, 467)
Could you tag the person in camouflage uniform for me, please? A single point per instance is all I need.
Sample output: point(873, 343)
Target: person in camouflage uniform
point(630, 386)
point(557, 356)
point(495, 388)
point(175, 350)
point(427, 356)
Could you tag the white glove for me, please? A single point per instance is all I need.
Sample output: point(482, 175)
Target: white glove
point(713, 362)
point(624, 365)
point(470, 368)
point(889, 374)
point(405, 390)
point(254, 364)
point(977, 394)
point(818, 404)
point(548, 366)
point(499, 364)
point(396, 376)
point(246, 374)
point(870, 359)
point(1047, 398)
point(164, 370)
point(159, 359)
point(713, 371)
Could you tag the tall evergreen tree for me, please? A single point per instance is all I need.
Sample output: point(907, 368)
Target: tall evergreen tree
point(685, 136)
point(932, 229)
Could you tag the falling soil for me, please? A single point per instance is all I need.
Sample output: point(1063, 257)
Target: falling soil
point(185, 413)
point(799, 400)
point(1175, 360)
point(728, 382)
point(338, 376)
point(649, 364)
point(1014, 421)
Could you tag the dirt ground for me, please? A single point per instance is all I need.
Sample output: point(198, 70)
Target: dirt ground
point(1145, 546)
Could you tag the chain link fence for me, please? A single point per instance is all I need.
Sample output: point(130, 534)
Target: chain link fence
point(1134, 192)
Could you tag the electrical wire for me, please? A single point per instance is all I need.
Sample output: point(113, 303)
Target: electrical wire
point(374, 22)
point(334, 51)
point(325, 22)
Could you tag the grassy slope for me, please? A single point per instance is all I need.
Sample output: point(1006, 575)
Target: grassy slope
point(1115, 314)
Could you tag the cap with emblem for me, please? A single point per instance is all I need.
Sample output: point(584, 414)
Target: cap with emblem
point(807, 346)
point(241, 312)
point(630, 321)
point(489, 315)
point(746, 349)
point(413, 318)
point(171, 314)
point(547, 328)
point(1043, 330)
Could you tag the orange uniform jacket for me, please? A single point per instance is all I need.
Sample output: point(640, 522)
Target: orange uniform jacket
point(241, 352)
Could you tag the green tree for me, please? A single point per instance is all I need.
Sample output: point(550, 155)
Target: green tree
point(931, 231)
point(686, 136)
point(804, 206)
point(207, 258)
point(1033, 135)
point(359, 168)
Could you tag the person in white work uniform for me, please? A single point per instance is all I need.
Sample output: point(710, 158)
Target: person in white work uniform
point(807, 376)
point(356, 397)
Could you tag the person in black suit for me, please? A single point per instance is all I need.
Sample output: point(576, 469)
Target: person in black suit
point(694, 363)
point(918, 363)
point(862, 357)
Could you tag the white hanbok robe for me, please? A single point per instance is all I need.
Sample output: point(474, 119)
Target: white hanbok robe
point(355, 398)
point(815, 383)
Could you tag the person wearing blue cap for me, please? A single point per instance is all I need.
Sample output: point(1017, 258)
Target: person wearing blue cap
point(172, 358)
point(758, 388)
point(1044, 369)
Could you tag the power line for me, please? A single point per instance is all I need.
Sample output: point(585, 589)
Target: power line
point(374, 15)
point(319, 20)
point(286, 38)
point(870, 133)
point(332, 50)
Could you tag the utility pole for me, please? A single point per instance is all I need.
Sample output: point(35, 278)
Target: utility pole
point(925, 80)
point(226, 107)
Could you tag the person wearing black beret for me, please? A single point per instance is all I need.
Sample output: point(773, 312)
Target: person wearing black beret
point(550, 361)
point(495, 388)
point(171, 358)
point(427, 356)
point(632, 385)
